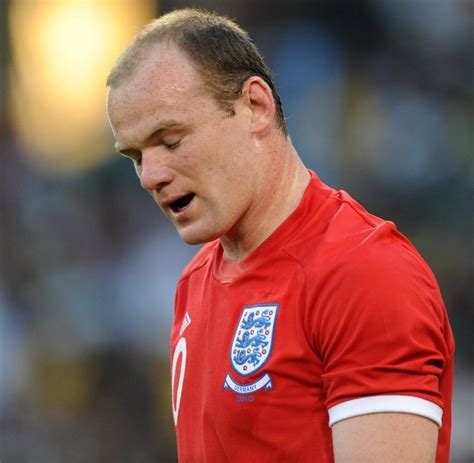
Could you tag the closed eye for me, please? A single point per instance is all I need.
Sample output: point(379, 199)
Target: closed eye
point(172, 146)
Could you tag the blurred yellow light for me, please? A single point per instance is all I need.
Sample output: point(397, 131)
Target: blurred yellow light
point(62, 51)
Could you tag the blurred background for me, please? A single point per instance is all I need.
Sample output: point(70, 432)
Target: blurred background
point(378, 96)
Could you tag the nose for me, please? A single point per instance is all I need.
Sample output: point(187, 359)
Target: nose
point(153, 172)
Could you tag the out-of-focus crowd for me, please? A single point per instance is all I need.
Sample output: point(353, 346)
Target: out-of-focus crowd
point(378, 98)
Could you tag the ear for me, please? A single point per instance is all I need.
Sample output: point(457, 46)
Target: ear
point(258, 97)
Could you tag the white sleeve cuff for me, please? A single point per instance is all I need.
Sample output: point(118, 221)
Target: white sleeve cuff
point(386, 404)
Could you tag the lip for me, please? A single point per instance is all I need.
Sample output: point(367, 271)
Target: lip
point(177, 215)
point(166, 202)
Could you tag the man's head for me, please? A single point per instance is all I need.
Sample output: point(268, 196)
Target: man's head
point(223, 54)
point(191, 102)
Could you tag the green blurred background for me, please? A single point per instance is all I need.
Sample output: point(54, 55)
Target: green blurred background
point(378, 96)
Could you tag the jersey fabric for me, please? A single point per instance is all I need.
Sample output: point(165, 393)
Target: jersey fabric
point(335, 315)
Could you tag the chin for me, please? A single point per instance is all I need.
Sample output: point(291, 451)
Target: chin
point(198, 236)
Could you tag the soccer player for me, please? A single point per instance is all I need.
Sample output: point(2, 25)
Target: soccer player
point(306, 329)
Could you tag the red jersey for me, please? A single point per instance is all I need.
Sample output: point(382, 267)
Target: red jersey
point(335, 315)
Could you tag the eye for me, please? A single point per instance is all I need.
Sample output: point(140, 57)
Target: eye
point(172, 146)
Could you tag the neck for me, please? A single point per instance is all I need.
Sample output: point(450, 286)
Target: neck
point(285, 179)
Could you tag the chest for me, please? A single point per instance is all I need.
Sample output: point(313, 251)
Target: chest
point(240, 347)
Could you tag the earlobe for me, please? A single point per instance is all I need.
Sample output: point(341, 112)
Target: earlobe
point(259, 98)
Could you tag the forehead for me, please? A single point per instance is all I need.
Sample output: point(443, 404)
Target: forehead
point(164, 85)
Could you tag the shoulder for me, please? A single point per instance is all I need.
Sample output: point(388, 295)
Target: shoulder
point(358, 267)
point(373, 269)
point(380, 293)
point(385, 271)
point(340, 232)
point(337, 232)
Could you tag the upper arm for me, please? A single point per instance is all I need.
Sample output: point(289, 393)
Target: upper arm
point(387, 353)
point(379, 330)
point(387, 437)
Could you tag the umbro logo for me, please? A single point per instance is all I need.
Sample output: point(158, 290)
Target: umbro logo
point(185, 324)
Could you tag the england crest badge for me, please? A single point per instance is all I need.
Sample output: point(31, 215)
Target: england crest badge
point(252, 345)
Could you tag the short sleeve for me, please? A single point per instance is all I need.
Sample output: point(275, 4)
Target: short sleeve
point(379, 330)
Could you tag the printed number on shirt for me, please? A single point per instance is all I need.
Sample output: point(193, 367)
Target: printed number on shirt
point(180, 351)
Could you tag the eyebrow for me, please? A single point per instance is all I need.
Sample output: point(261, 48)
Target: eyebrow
point(162, 126)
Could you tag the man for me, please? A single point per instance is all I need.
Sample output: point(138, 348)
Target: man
point(306, 329)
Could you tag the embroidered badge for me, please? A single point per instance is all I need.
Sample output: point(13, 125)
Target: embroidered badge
point(251, 346)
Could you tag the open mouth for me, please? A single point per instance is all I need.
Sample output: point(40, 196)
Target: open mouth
point(181, 203)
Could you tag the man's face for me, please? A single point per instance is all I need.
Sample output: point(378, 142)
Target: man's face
point(194, 159)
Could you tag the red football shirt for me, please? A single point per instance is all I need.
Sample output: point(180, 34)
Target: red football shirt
point(335, 315)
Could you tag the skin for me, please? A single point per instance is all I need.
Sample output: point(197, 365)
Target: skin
point(245, 174)
point(246, 178)
point(385, 437)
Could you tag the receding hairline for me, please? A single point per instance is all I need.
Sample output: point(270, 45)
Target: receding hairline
point(220, 51)
point(165, 30)
point(147, 59)
point(132, 59)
